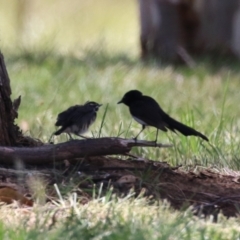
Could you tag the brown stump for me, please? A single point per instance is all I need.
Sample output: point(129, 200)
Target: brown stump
point(9, 132)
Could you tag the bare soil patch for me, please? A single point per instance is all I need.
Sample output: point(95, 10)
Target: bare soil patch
point(207, 190)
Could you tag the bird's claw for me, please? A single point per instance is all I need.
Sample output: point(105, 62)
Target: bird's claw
point(135, 139)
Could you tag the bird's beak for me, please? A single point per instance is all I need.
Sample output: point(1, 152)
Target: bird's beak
point(99, 105)
point(120, 102)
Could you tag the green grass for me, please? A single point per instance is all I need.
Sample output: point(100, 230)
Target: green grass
point(202, 98)
point(102, 218)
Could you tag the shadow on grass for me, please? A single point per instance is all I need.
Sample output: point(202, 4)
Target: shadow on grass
point(213, 63)
point(100, 58)
point(91, 57)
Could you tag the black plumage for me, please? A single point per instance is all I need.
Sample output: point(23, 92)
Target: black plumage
point(77, 119)
point(147, 112)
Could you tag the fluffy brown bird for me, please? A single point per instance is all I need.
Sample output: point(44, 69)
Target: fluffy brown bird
point(77, 119)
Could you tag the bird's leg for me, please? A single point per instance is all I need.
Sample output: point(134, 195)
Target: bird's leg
point(50, 139)
point(156, 138)
point(143, 127)
point(70, 137)
point(82, 136)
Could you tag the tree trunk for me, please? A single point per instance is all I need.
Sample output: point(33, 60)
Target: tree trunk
point(9, 133)
point(217, 29)
point(166, 27)
point(175, 29)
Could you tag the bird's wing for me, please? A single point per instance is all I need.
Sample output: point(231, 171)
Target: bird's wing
point(149, 112)
point(83, 117)
point(64, 116)
point(77, 114)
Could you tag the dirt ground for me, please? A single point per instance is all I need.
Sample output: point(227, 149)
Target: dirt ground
point(206, 190)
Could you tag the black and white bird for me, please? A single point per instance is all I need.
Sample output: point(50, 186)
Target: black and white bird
point(146, 111)
point(77, 119)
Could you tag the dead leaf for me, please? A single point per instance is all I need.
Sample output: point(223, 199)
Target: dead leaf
point(8, 195)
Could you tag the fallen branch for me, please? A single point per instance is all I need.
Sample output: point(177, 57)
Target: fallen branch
point(72, 149)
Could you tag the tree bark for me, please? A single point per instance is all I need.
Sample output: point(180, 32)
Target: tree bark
point(70, 150)
point(9, 133)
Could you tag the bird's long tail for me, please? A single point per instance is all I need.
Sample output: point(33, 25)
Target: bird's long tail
point(185, 130)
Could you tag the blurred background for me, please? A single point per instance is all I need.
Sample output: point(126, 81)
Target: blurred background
point(69, 26)
point(174, 30)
